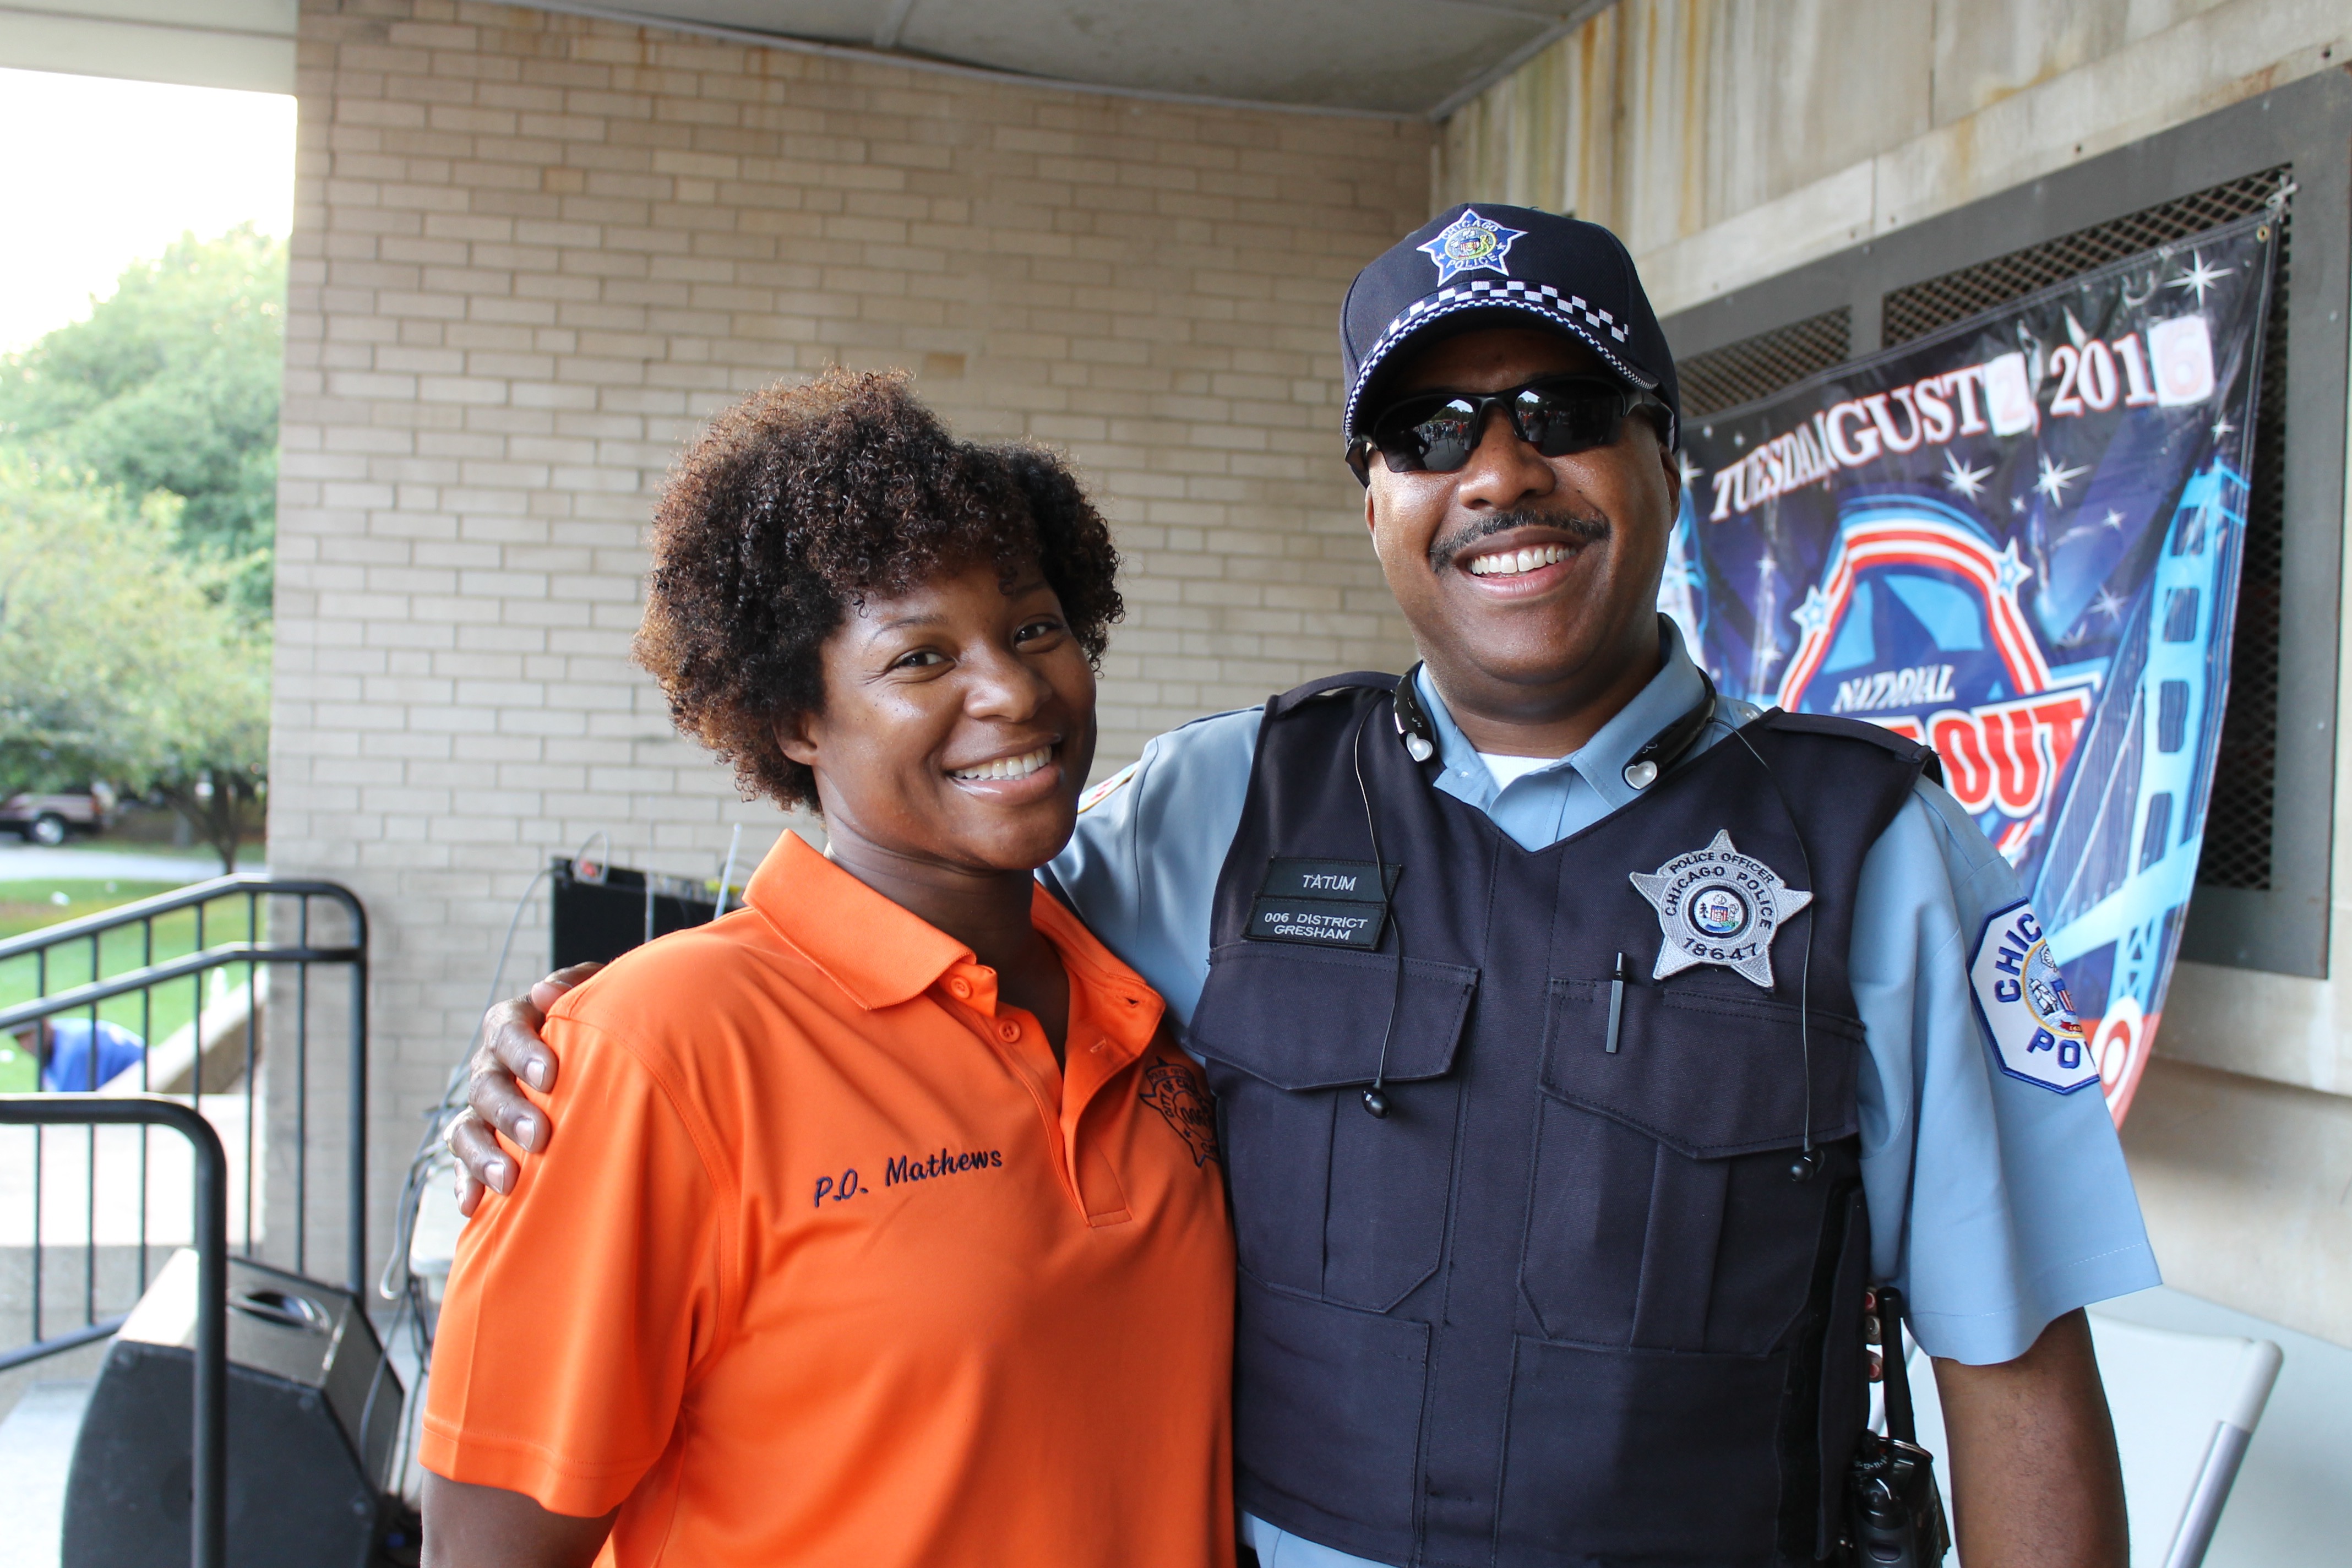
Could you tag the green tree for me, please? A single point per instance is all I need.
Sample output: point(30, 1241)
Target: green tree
point(121, 656)
point(172, 384)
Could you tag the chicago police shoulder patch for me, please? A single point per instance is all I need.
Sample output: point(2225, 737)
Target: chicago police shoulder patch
point(2028, 1012)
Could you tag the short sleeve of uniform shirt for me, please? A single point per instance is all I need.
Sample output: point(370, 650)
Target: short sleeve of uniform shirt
point(1996, 1204)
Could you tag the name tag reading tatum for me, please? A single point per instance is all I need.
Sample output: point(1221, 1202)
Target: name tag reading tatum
point(1718, 906)
point(1323, 903)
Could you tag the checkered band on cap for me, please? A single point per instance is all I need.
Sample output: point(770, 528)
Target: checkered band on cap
point(1596, 327)
point(1570, 276)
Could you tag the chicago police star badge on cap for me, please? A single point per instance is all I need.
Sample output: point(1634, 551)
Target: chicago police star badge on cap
point(1469, 244)
point(1718, 906)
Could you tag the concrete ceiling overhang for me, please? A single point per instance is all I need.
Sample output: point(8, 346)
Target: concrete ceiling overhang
point(1401, 57)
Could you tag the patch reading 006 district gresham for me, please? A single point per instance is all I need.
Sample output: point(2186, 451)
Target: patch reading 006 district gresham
point(1322, 903)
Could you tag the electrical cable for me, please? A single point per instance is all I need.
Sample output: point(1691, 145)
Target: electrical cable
point(587, 869)
point(432, 1155)
point(499, 970)
point(398, 1283)
point(420, 1334)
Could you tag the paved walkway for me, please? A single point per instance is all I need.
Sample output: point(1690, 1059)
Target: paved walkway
point(37, 1445)
point(91, 1179)
point(30, 863)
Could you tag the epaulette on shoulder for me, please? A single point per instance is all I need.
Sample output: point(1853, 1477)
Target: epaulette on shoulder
point(1357, 680)
point(1860, 730)
point(1372, 679)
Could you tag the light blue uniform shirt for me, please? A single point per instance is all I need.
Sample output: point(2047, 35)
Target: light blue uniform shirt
point(1996, 1204)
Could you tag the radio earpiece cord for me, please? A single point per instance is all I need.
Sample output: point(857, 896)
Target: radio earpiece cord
point(1376, 1099)
point(1809, 1162)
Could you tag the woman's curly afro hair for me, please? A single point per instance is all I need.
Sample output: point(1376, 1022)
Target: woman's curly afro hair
point(799, 500)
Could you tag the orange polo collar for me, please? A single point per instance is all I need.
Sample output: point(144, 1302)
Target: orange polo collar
point(882, 954)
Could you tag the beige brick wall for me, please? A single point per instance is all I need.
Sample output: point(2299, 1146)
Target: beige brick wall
point(531, 252)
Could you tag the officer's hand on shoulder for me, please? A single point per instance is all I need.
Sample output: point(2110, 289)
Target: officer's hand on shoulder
point(509, 1049)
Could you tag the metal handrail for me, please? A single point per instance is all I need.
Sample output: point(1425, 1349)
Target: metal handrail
point(208, 1513)
point(72, 1338)
point(250, 886)
point(223, 955)
point(195, 893)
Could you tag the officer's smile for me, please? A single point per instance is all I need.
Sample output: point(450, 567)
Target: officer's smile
point(1521, 553)
point(1519, 562)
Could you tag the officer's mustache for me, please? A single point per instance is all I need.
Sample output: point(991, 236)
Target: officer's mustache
point(1585, 527)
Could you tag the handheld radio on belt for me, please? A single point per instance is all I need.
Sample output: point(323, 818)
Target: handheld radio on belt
point(1895, 1515)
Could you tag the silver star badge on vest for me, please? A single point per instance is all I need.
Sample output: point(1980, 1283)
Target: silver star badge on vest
point(1718, 906)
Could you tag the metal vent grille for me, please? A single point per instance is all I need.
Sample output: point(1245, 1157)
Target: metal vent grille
point(1759, 366)
point(2238, 824)
point(1921, 307)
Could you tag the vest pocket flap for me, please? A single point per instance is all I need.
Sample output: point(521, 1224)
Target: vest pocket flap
point(1312, 1018)
point(1708, 1074)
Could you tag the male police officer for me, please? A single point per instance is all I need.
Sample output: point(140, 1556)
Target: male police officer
point(1584, 1042)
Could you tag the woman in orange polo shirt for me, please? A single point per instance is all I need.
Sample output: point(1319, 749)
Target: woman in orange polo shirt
point(887, 1226)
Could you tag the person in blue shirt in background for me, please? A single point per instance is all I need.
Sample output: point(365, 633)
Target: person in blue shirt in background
point(1560, 1148)
point(80, 1055)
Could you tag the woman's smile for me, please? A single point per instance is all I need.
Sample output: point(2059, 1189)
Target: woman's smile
point(1014, 776)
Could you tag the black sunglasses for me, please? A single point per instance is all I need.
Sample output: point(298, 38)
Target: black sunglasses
point(1436, 432)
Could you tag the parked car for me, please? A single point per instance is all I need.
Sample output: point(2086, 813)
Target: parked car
point(46, 819)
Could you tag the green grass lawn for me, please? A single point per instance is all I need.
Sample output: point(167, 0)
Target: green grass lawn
point(29, 906)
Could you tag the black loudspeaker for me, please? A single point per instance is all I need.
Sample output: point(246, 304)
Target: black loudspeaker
point(600, 912)
point(313, 1413)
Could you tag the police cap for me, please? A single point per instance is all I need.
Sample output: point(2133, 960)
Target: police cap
point(1482, 258)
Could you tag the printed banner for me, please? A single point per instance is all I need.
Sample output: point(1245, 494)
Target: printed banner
point(2016, 540)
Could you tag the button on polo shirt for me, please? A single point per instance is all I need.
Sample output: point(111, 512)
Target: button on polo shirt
point(829, 1263)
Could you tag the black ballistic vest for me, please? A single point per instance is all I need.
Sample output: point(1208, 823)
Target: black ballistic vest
point(1560, 1306)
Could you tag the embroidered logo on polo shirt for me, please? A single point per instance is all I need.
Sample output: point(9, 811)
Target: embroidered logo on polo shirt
point(2028, 1011)
point(1178, 1095)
